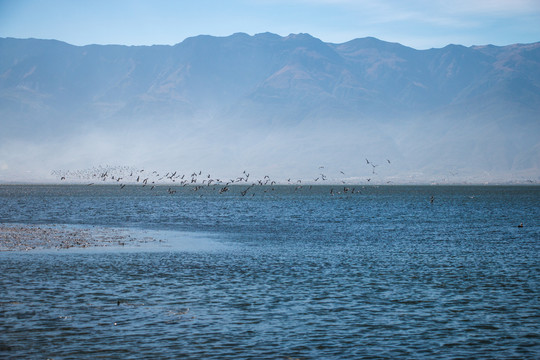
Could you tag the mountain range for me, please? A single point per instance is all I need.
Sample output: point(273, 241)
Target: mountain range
point(280, 105)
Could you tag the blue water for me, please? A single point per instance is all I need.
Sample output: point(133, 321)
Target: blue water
point(381, 273)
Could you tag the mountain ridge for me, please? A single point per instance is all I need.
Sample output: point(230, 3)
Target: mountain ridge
point(269, 84)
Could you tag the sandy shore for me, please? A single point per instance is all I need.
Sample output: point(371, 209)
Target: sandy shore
point(15, 237)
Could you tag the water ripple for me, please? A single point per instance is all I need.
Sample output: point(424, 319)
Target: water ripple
point(383, 276)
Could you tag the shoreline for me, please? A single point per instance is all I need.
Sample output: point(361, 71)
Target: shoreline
point(388, 183)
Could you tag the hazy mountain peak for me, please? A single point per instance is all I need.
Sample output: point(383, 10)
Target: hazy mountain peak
point(301, 36)
point(267, 35)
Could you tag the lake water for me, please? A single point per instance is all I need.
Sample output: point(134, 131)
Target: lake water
point(277, 274)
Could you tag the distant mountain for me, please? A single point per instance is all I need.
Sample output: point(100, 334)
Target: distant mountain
point(447, 115)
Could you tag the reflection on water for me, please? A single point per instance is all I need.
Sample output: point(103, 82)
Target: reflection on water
point(386, 274)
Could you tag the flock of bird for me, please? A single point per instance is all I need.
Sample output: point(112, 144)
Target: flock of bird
point(197, 180)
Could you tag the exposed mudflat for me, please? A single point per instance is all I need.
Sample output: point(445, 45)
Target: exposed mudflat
point(28, 237)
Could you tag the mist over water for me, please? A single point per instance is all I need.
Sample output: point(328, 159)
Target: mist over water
point(291, 152)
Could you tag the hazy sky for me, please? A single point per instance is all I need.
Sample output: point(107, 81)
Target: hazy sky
point(420, 24)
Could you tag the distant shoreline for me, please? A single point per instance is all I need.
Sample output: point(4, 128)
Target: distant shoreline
point(524, 183)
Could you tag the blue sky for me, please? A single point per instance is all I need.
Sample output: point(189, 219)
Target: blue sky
point(420, 24)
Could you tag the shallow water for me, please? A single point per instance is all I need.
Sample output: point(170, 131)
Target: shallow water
point(382, 273)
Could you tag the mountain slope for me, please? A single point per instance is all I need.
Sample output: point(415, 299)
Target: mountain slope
point(293, 101)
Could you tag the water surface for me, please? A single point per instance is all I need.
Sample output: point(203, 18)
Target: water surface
point(381, 273)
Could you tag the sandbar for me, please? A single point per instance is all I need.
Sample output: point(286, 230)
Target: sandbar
point(24, 237)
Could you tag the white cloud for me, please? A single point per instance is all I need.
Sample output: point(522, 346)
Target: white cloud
point(440, 6)
point(493, 6)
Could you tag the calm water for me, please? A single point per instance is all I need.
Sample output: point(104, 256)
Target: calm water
point(282, 274)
